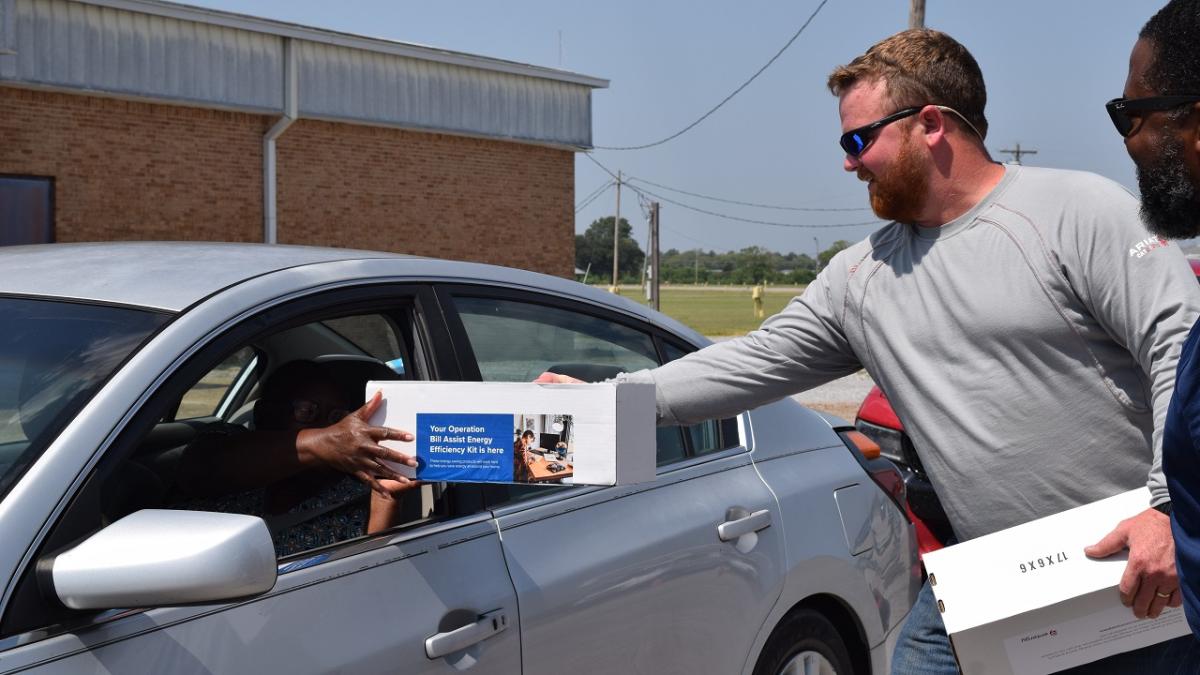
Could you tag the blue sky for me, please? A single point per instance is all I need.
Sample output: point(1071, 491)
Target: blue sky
point(1049, 65)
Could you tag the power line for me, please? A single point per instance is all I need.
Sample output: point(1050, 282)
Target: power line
point(626, 180)
point(597, 163)
point(737, 91)
point(595, 194)
point(688, 237)
point(750, 220)
point(734, 201)
point(594, 197)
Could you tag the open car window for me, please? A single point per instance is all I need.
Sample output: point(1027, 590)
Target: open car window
point(309, 376)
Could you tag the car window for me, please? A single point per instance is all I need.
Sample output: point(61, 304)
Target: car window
point(312, 377)
point(516, 341)
point(54, 356)
point(711, 435)
point(206, 397)
point(374, 334)
point(670, 447)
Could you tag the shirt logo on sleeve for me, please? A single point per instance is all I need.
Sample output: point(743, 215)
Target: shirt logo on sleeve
point(1146, 245)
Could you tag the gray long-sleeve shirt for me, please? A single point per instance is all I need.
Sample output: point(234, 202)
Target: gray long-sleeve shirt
point(1029, 346)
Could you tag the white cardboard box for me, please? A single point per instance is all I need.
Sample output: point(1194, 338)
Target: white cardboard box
point(583, 434)
point(1027, 600)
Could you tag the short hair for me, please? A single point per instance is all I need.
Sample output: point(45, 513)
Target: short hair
point(1174, 34)
point(921, 66)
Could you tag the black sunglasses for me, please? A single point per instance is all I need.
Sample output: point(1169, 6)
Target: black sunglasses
point(312, 412)
point(857, 140)
point(1123, 111)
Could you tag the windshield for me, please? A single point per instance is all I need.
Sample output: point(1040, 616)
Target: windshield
point(54, 356)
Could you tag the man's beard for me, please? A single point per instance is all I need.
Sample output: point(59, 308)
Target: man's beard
point(900, 193)
point(1170, 205)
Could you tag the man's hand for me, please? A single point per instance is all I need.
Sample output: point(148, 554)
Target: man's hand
point(352, 446)
point(555, 378)
point(1150, 582)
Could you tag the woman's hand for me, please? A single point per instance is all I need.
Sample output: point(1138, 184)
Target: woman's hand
point(352, 446)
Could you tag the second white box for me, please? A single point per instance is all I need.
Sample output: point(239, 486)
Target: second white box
point(1028, 601)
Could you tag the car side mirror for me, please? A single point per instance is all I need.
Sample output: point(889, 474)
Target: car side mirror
point(159, 557)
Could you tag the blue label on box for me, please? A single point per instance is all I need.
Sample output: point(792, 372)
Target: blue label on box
point(464, 447)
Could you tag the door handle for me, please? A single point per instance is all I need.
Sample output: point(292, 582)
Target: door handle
point(740, 522)
point(489, 624)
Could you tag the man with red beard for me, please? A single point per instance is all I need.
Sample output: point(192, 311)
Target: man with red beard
point(1159, 117)
point(1023, 322)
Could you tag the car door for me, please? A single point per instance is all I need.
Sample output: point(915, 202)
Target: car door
point(672, 576)
point(430, 595)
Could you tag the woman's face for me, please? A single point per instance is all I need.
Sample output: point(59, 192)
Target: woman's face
point(527, 441)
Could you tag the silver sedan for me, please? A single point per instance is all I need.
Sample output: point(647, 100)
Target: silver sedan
point(133, 382)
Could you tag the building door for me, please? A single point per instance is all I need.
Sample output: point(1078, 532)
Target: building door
point(26, 210)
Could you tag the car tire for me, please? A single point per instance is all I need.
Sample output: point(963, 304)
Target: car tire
point(805, 642)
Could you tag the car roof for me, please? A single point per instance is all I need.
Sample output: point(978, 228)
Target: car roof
point(173, 276)
point(161, 275)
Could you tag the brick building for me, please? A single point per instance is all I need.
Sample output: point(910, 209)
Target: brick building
point(140, 119)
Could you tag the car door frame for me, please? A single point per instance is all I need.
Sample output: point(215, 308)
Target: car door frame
point(270, 314)
point(515, 513)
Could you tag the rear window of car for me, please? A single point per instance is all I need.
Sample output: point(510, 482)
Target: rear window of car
point(54, 356)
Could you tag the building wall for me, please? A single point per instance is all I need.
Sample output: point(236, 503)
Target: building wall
point(126, 170)
point(427, 194)
point(129, 170)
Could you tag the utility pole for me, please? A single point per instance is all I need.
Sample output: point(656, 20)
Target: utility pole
point(1017, 152)
point(696, 269)
point(817, 257)
point(916, 14)
point(649, 242)
point(654, 255)
point(616, 234)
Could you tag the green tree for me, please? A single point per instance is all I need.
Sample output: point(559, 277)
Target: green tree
point(825, 256)
point(753, 265)
point(595, 246)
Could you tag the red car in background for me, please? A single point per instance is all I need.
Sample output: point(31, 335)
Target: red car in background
point(879, 422)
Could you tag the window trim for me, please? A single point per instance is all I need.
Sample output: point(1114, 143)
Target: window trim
point(240, 388)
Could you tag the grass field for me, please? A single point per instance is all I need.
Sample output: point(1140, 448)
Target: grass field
point(716, 310)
